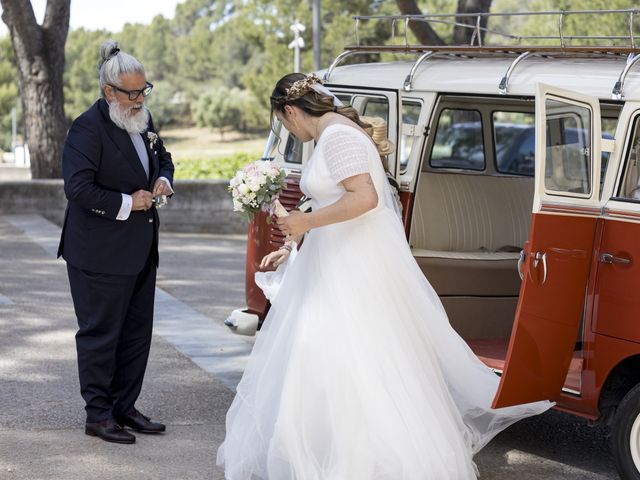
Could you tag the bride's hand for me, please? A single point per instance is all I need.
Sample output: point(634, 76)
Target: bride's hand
point(294, 225)
point(277, 258)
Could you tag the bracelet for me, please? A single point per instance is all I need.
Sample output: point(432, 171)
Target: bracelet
point(285, 247)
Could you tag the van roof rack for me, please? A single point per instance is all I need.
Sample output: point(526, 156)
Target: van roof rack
point(483, 40)
point(479, 24)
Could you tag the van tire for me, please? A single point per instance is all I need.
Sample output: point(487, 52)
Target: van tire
point(625, 436)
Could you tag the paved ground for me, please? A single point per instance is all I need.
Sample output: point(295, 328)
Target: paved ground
point(195, 363)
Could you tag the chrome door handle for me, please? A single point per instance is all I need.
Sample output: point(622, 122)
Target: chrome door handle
point(521, 259)
point(611, 259)
point(537, 259)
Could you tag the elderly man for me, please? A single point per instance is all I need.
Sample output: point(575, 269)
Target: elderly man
point(114, 165)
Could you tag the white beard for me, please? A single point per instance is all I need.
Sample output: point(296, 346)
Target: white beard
point(125, 118)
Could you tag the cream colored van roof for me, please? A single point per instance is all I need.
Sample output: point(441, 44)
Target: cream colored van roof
point(594, 76)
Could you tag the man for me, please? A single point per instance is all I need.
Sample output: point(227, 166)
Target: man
point(113, 165)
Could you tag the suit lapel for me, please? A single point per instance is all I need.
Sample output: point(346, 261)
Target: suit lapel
point(122, 140)
point(154, 163)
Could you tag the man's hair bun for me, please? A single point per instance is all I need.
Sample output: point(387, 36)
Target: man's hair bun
point(108, 49)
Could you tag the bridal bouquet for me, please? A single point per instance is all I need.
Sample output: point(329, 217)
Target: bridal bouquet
point(256, 187)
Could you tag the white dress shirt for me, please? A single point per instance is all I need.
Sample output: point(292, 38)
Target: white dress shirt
point(143, 155)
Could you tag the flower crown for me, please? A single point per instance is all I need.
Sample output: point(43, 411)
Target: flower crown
point(301, 87)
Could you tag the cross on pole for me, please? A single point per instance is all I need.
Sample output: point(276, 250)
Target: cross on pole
point(297, 44)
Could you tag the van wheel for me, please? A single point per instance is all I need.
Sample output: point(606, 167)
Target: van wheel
point(625, 436)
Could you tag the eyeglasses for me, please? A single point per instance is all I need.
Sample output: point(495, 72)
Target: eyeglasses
point(134, 94)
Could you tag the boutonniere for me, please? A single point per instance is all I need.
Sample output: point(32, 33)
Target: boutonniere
point(153, 139)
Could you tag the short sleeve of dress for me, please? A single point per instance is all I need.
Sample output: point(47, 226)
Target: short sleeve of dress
point(345, 153)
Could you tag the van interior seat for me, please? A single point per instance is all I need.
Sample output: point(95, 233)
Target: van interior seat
point(467, 231)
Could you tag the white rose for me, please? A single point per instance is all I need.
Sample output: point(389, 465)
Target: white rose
point(247, 199)
point(243, 189)
point(254, 185)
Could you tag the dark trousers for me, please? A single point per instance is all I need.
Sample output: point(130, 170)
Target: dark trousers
point(115, 320)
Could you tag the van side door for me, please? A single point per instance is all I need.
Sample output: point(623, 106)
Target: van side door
point(556, 260)
point(618, 306)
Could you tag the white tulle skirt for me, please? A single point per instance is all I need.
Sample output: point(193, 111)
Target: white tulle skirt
point(356, 373)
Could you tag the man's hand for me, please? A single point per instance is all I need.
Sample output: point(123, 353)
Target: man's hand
point(141, 200)
point(161, 188)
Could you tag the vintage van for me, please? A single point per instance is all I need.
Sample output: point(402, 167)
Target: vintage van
point(518, 173)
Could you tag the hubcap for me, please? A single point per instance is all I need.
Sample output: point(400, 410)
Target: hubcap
point(634, 443)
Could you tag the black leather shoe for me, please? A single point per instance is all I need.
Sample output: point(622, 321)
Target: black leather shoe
point(109, 431)
point(140, 423)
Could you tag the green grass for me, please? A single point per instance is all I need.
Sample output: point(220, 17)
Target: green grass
point(202, 153)
point(212, 168)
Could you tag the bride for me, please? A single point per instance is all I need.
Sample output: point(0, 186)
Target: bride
point(356, 373)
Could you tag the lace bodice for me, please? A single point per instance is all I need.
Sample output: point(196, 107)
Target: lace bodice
point(341, 152)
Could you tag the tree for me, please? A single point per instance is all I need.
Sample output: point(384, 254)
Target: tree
point(8, 91)
point(461, 35)
point(426, 35)
point(81, 83)
point(39, 51)
point(167, 104)
point(216, 109)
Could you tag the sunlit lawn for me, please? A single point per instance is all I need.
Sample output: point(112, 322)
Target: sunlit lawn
point(207, 143)
point(202, 153)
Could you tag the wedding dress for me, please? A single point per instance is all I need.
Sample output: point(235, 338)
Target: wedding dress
point(356, 373)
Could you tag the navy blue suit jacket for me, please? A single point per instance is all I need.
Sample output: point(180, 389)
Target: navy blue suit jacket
point(99, 163)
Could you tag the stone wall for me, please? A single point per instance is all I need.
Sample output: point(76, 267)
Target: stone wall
point(197, 206)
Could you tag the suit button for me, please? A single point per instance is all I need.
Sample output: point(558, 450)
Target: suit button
point(151, 220)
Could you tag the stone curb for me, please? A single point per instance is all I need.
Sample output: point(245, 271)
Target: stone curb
point(199, 206)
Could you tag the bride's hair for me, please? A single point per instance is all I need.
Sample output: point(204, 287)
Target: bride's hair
point(297, 89)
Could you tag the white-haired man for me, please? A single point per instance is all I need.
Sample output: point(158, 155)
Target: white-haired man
point(114, 165)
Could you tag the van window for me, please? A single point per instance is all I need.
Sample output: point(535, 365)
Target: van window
point(410, 116)
point(293, 150)
point(458, 142)
point(568, 152)
point(372, 106)
point(630, 187)
point(609, 125)
point(344, 98)
point(273, 141)
point(514, 135)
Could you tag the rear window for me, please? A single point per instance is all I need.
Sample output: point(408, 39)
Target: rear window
point(458, 141)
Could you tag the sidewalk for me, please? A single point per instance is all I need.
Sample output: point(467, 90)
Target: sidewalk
point(194, 366)
point(42, 416)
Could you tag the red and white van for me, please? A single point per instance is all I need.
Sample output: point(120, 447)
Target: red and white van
point(518, 170)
